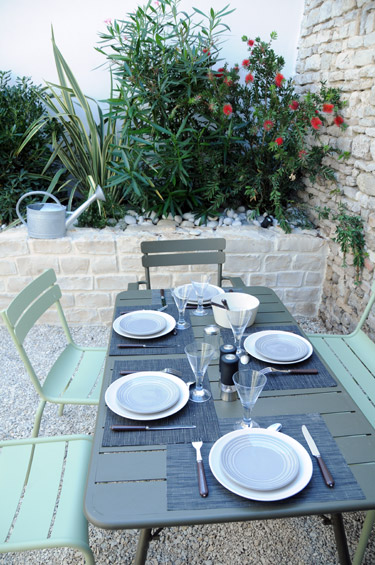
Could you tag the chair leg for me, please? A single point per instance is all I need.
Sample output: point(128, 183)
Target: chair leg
point(38, 418)
point(364, 537)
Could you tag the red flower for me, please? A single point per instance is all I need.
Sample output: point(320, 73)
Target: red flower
point(268, 124)
point(279, 140)
point(206, 51)
point(302, 153)
point(249, 78)
point(279, 79)
point(227, 109)
point(228, 81)
point(220, 72)
point(250, 42)
point(315, 123)
point(246, 62)
point(294, 105)
point(338, 120)
point(328, 108)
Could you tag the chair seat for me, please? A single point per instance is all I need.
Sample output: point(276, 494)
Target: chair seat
point(83, 387)
point(42, 482)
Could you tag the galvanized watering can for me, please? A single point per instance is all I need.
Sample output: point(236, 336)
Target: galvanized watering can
point(50, 221)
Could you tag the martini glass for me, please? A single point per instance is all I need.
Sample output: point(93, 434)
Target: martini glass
point(199, 355)
point(249, 384)
point(238, 320)
point(200, 284)
point(181, 295)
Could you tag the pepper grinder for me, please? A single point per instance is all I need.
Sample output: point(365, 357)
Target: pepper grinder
point(228, 366)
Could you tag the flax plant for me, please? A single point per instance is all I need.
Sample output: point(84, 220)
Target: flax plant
point(84, 150)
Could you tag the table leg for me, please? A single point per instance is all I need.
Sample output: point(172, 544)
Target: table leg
point(145, 536)
point(340, 537)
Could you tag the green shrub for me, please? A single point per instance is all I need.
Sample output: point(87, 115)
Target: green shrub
point(200, 139)
point(20, 105)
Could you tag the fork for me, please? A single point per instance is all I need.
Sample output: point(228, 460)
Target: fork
point(291, 371)
point(202, 482)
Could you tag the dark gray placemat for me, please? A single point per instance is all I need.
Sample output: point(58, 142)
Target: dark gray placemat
point(175, 343)
point(283, 381)
point(182, 485)
point(202, 415)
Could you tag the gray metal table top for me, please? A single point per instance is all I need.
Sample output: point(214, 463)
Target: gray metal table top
point(127, 487)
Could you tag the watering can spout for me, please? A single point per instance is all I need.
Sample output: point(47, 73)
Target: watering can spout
point(98, 195)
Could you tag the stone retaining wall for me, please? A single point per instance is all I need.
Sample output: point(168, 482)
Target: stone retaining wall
point(92, 266)
point(337, 45)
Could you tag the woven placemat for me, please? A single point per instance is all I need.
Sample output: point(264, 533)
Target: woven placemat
point(182, 484)
point(202, 415)
point(175, 342)
point(282, 381)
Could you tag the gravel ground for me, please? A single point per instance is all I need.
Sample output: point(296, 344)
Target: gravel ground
point(297, 541)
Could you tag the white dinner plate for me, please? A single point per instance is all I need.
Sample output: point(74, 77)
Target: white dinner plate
point(249, 345)
point(281, 347)
point(142, 323)
point(113, 404)
point(260, 462)
point(170, 323)
point(148, 394)
point(296, 485)
point(209, 293)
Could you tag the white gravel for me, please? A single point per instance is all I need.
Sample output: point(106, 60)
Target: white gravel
point(297, 541)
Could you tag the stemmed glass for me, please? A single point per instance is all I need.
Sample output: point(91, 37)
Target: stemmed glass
point(249, 384)
point(200, 284)
point(181, 295)
point(199, 355)
point(238, 320)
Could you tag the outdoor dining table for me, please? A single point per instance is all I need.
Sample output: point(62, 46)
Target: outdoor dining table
point(147, 480)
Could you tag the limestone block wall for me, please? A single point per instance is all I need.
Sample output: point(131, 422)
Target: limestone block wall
point(337, 45)
point(93, 266)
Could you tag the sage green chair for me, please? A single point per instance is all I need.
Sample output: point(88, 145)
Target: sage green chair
point(352, 358)
point(185, 252)
point(42, 483)
point(76, 376)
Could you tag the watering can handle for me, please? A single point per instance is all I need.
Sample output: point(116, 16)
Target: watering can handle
point(29, 194)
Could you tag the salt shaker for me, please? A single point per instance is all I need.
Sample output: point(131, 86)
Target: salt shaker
point(212, 336)
point(228, 366)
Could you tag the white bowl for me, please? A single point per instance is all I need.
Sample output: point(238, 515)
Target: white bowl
point(237, 301)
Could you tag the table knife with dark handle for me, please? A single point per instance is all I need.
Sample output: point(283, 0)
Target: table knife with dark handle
point(149, 428)
point(141, 345)
point(328, 479)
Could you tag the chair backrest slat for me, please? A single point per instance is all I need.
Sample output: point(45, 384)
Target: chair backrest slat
point(35, 311)
point(183, 252)
point(165, 260)
point(23, 300)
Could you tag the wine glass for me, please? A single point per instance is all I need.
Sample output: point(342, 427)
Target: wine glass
point(199, 355)
point(238, 320)
point(249, 384)
point(181, 295)
point(200, 284)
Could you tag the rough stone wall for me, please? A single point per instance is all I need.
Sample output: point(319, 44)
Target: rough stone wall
point(93, 266)
point(337, 45)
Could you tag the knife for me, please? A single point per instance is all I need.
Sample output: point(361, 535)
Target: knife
point(328, 479)
point(162, 298)
point(141, 345)
point(149, 428)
